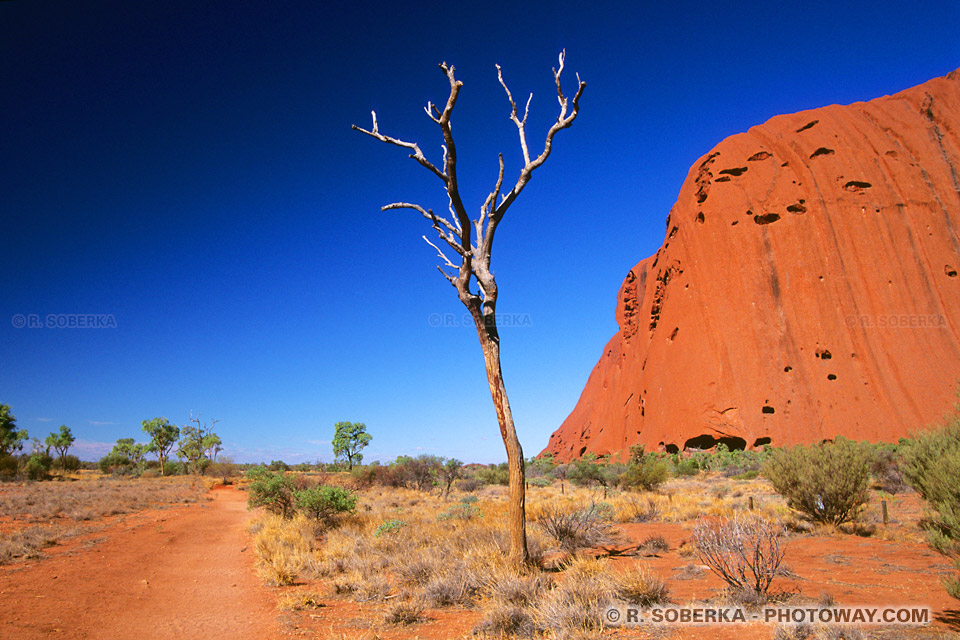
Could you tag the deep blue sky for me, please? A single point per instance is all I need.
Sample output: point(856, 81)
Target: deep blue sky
point(188, 168)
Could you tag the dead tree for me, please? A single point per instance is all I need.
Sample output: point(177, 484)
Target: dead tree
point(472, 242)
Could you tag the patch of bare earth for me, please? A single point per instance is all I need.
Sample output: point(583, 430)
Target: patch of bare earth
point(183, 572)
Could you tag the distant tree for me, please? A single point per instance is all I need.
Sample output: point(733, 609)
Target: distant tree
point(11, 438)
point(129, 448)
point(470, 242)
point(450, 472)
point(349, 438)
point(61, 442)
point(163, 436)
point(225, 468)
point(197, 442)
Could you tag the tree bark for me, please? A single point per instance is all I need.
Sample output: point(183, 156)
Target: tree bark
point(517, 520)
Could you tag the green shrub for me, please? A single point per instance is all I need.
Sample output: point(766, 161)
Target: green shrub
point(931, 464)
point(272, 491)
point(494, 474)
point(684, 467)
point(539, 482)
point(69, 462)
point(324, 503)
point(829, 482)
point(389, 526)
point(279, 465)
point(466, 510)
point(646, 471)
point(38, 466)
point(114, 463)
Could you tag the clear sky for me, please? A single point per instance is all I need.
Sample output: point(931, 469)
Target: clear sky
point(186, 170)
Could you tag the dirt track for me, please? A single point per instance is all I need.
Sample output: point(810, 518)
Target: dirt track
point(183, 572)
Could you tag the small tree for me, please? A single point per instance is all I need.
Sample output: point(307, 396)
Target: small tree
point(128, 448)
point(349, 438)
point(11, 438)
point(197, 443)
point(61, 442)
point(163, 436)
point(225, 468)
point(457, 233)
point(450, 472)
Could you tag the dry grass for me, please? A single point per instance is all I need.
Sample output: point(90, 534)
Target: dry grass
point(284, 549)
point(42, 513)
point(95, 498)
point(300, 601)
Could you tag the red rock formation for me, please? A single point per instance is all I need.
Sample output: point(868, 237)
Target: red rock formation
point(806, 288)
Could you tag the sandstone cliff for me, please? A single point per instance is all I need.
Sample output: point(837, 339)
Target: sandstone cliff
point(806, 288)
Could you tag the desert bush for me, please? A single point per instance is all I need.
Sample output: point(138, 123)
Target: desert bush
point(68, 462)
point(585, 472)
point(466, 509)
point(886, 468)
point(654, 544)
point(639, 585)
point(646, 471)
point(494, 474)
point(576, 528)
point(829, 482)
point(634, 509)
point(273, 491)
point(467, 485)
point(506, 621)
point(37, 466)
point(9, 467)
point(114, 463)
point(405, 612)
point(745, 552)
point(539, 482)
point(324, 503)
point(685, 467)
point(932, 467)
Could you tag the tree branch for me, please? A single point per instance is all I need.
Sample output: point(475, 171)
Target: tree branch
point(416, 155)
point(451, 238)
point(563, 121)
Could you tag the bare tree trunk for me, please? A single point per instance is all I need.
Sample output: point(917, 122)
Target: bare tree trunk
point(517, 523)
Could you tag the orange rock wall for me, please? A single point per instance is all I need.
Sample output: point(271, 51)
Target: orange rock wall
point(807, 288)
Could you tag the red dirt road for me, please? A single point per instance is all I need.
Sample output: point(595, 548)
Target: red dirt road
point(184, 572)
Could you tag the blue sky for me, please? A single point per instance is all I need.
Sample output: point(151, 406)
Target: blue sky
point(186, 171)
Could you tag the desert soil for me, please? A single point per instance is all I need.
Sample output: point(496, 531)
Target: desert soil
point(184, 572)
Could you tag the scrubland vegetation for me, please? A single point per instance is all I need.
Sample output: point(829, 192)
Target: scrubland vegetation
point(426, 534)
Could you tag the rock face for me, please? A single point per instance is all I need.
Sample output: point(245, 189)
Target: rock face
point(807, 288)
